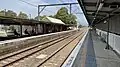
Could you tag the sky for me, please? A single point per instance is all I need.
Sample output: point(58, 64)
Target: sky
point(18, 5)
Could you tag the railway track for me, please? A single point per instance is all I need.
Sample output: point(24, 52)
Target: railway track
point(57, 51)
point(20, 55)
point(53, 50)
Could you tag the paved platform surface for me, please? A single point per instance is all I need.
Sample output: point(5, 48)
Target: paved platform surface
point(94, 54)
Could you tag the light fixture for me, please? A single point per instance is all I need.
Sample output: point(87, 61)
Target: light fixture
point(105, 21)
point(100, 6)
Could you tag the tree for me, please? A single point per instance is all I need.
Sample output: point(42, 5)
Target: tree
point(67, 18)
point(10, 13)
point(52, 16)
point(72, 19)
point(62, 14)
point(22, 15)
point(40, 17)
point(79, 26)
point(36, 18)
point(2, 13)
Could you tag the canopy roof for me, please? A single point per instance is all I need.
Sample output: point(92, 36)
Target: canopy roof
point(99, 10)
point(17, 21)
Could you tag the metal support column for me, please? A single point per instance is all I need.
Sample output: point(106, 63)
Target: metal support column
point(108, 25)
point(35, 28)
point(20, 29)
point(39, 11)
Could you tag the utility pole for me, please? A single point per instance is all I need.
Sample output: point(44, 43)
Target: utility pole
point(30, 16)
point(5, 12)
point(38, 12)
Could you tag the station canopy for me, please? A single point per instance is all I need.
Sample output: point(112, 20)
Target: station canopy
point(98, 10)
point(52, 20)
point(18, 21)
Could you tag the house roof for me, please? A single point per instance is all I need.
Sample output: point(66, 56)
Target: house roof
point(52, 20)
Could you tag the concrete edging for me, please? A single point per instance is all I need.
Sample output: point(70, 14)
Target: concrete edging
point(69, 62)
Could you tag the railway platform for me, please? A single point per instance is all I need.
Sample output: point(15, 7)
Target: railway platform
point(92, 53)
